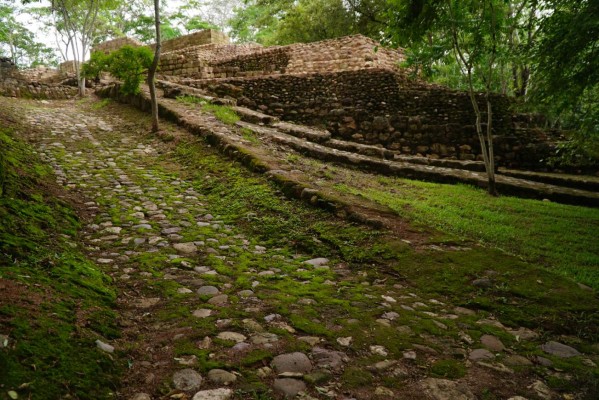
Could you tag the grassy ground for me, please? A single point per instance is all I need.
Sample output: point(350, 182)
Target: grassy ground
point(560, 237)
point(54, 303)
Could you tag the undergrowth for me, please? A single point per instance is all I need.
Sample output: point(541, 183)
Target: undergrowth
point(55, 302)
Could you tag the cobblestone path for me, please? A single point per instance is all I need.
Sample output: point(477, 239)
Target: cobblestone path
point(210, 312)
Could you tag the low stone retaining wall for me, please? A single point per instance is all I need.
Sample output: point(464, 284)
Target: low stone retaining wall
point(26, 84)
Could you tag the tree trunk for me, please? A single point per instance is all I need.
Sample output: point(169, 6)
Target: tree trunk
point(154, 67)
point(492, 189)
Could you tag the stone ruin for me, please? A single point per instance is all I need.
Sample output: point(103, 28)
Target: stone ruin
point(355, 89)
point(35, 83)
point(349, 86)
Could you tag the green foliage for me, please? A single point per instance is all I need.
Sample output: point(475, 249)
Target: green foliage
point(566, 76)
point(65, 303)
point(129, 64)
point(284, 22)
point(19, 43)
point(98, 63)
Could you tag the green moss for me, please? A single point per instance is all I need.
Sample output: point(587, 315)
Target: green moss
point(355, 377)
point(451, 369)
point(69, 300)
point(256, 356)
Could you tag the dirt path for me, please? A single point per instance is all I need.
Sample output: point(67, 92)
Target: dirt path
point(209, 310)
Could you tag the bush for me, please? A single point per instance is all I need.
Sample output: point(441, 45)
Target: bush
point(129, 64)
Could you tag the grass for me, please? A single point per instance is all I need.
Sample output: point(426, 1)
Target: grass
point(557, 236)
point(223, 113)
point(61, 303)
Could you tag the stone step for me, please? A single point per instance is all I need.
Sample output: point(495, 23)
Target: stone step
point(254, 117)
point(583, 182)
point(173, 90)
point(505, 185)
point(302, 131)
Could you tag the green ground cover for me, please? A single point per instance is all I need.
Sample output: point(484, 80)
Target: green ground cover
point(55, 302)
point(560, 237)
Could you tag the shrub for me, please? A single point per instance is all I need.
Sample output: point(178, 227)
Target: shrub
point(129, 64)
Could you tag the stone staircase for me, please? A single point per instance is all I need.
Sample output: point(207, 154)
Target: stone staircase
point(318, 143)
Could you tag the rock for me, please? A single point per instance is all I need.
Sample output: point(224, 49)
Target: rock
point(141, 396)
point(240, 347)
point(264, 338)
point(185, 248)
point(492, 343)
point(214, 394)
point(263, 372)
point(383, 391)
point(482, 283)
point(392, 315)
point(443, 389)
point(542, 390)
point(345, 341)
point(184, 291)
point(480, 355)
point(187, 380)
point(545, 362)
point(292, 362)
point(252, 325)
point(389, 299)
point(289, 387)
point(311, 340)
point(208, 291)
point(202, 313)
point(245, 293)
point(409, 355)
point(516, 360)
point(147, 302)
point(378, 350)
point(383, 365)
point(104, 346)
point(221, 377)
point(559, 350)
point(499, 367)
point(219, 300)
point(316, 262)
point(464, 311)
point(142, 226)
point(328, 359)
point(524, 334)
point(232, 336)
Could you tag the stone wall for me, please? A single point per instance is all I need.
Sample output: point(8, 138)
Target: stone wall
point(115, 44)
point(33, 83)
point(355, 89)
point(349, 53)
point(380, 106)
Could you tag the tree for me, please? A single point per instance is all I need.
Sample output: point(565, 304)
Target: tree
point(478, 35)
point(77, 21)
point(154, 67)
point(565, 75)
point(19, 42)
point(284, 22)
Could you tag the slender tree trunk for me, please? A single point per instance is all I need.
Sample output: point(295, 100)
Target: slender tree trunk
point(153, 68)
point(492, 188)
